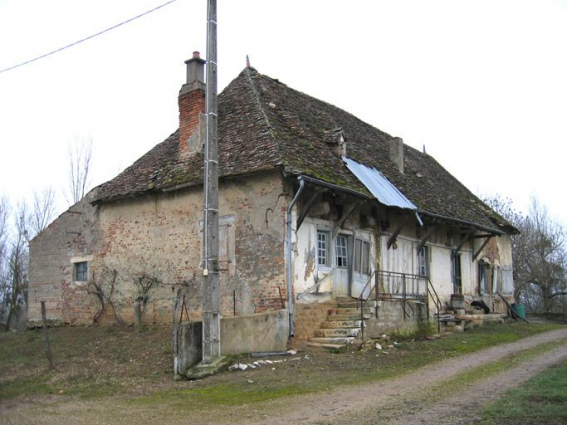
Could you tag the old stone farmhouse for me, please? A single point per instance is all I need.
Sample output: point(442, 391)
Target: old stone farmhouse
point(316, 208)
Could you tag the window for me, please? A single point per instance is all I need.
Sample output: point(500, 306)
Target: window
point(323, 248)
point(423, 262)
point(224, 246)
point(495, 279)
point(482, 277)
point(341, 251)
point(362, 256)
point(457, 280)
point(80, 271)
point(226, 238)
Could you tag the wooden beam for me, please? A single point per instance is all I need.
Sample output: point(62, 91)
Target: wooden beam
point(307, 206)
point(397, 232)
point(426, 236)
point(464, 240)
point(346, 213)
point(482, 246)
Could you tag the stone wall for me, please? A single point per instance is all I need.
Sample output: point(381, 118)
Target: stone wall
point(73, 235)
point(158, 237)
point(263, 332)
point(391, 319)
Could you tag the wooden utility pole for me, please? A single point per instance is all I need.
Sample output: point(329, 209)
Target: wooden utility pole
point(211, 287)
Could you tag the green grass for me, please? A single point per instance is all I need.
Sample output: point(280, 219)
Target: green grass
point(98, 362)
point(542, 400)
point(363, 367)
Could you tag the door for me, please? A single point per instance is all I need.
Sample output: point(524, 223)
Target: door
point(342, 261)
point(362, 265)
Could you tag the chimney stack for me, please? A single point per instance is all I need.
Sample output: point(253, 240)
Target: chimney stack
point(396, 153)
point(192, 108)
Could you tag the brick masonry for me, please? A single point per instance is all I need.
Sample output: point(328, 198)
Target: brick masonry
point(160, 236)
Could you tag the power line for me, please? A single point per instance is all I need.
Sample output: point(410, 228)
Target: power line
point(86, 38)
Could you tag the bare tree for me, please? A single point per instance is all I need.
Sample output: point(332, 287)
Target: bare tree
point(80, 155)
point(539, 254)
point(43, 210)
point(102, 286)
point(4, 285)
point(16, 273)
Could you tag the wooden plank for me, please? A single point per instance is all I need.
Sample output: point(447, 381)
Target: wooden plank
point(426, 236)
point(514, 315)
point(482, 247)
point(306, 207)
point(348, 211)
point(397, 232)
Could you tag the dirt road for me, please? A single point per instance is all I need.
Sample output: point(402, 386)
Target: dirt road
point(434, 394)
point(412, 399)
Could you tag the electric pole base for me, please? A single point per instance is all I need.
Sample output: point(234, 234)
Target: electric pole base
point(201, 370)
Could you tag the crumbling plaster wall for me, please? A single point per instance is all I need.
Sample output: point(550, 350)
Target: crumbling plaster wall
point(403, 258)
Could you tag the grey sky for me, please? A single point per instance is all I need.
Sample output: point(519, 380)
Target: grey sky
point(482, 84)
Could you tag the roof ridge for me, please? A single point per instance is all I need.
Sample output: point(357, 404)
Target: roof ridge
point(256, 93)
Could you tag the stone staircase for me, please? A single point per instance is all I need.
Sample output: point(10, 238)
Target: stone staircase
point(343, 325)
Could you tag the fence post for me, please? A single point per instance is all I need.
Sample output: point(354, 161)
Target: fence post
point(46, 335)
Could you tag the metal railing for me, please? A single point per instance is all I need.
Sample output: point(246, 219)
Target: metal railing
point(318, 283)
point(402, 286)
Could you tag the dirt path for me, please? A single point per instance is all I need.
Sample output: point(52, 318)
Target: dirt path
point(422, 397)
point(409, 399)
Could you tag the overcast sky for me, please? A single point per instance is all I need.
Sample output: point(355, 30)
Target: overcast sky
point(482, 84)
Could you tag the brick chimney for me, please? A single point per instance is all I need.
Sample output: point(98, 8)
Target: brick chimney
point(192, 108)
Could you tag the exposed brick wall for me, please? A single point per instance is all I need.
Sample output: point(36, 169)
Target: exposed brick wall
point(160, 236)
point(73, 234)
point(191, 104)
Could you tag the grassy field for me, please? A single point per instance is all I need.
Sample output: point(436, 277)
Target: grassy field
point(542, 400)
point(94, 362)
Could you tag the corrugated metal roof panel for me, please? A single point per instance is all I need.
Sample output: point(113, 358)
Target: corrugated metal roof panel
point(379, 186)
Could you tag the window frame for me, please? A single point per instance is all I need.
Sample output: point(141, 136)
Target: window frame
point(325, 260)
point(341, 252)
point(361, 260)
point(80, 275)
point(423, 262)
point(457, 273)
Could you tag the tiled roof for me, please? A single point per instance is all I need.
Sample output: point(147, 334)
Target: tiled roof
point(264, 124)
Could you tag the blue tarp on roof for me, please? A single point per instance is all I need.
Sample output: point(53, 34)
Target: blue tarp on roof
point(379, 186)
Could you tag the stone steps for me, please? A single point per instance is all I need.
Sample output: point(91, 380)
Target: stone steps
point(343, 332)
point(346, 340)
point(338, 324)
point(334, 347)
point(355, 304)
point(347, 317)
point(342, 326)
point(355, 311)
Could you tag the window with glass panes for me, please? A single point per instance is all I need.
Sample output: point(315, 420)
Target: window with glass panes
point(81, 271)
point(323, 248)
point(361, 256)
point(341, 251)
point(423, 262)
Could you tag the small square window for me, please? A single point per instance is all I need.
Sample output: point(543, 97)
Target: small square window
point(81, 271)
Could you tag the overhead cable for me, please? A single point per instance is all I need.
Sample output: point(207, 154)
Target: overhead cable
point(86, 38)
